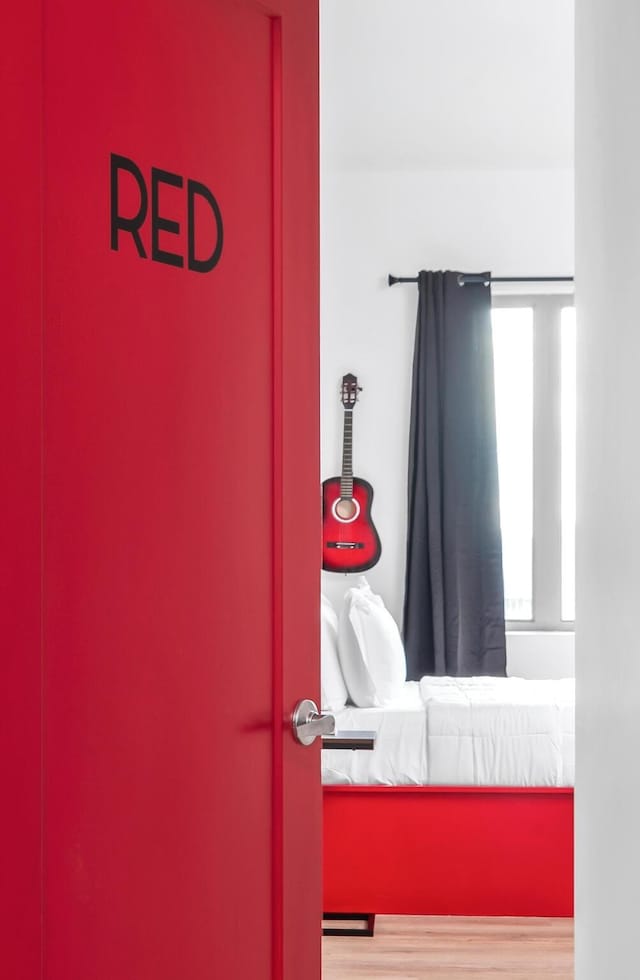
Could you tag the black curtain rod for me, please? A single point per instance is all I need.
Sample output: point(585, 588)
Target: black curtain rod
point(465, 279)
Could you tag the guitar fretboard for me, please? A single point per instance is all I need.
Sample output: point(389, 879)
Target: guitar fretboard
point(346, 480)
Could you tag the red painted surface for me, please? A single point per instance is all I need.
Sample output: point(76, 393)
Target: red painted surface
point(448, 851)
point(360, 531)
point(298, 908)
point(20, 494)
point(179, 481)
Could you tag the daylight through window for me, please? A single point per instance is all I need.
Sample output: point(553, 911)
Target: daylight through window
point(534, 342)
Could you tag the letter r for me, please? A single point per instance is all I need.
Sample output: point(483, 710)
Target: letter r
point(118, 222)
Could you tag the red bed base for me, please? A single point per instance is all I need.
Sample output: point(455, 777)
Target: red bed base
point(431, 850)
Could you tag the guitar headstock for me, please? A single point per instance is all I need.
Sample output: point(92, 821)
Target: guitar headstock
point(349, 390)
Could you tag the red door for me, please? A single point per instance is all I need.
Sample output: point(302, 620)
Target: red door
point(165, 521)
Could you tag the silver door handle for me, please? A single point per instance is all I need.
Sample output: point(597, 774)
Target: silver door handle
point(308, 722)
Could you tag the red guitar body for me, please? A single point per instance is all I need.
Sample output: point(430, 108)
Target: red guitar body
point(349, 545)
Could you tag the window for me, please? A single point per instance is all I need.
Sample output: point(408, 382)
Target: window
point(534, 342)
point(568, 460)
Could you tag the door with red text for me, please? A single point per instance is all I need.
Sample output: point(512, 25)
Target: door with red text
point(180, 523)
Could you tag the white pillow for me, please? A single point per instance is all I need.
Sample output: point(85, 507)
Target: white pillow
point(333, 687)
point(370, 648)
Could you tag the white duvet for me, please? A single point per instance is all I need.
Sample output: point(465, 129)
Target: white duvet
point(478, 731)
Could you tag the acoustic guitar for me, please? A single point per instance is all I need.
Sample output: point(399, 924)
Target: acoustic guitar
point(350, 542)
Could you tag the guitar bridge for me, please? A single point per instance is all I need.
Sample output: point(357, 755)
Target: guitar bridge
point(345, 545)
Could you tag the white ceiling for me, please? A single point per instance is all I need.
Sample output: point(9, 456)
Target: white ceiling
point(456, 84)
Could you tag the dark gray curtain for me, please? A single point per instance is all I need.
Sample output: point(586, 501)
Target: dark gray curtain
point(454, 595)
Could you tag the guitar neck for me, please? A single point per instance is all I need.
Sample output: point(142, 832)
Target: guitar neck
point(346, 479)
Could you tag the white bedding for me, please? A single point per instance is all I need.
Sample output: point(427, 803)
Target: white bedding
point(399, 757)
point(480, 731)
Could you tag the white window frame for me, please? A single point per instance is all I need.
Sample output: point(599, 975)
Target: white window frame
point(547, 538)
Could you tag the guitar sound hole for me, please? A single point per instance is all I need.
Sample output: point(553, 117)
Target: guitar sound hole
point(346, 509)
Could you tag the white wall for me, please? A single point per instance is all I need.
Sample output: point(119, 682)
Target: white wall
point(422, 84)
point(376, 223)
point(373, 223)
point(608, 579)
point(549, 654)
point(411, 179)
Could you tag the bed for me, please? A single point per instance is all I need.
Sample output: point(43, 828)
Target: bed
point(465, 806)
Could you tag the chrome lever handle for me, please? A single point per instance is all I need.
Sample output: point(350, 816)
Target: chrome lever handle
point(318, 725)
point(308, 723)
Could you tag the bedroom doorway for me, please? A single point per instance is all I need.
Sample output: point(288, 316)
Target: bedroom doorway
point(417, 175)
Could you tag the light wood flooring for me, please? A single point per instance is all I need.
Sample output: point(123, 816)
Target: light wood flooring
point(448, 948)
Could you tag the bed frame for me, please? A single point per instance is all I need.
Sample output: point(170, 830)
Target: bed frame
point(431, 850)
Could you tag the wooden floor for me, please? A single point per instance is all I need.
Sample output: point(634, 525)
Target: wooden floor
point(444, 948)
